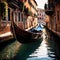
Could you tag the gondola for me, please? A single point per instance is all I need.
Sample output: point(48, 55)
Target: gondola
point(24, 36)
point(37, 29)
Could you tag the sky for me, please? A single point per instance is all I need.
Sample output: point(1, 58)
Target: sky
point(41, 3)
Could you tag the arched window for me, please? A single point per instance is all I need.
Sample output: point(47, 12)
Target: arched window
point(3, 10)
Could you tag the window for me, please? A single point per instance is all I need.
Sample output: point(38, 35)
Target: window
point(12, 16)
point(40, 18)
point(15, 16)
point(58, 15)
point(40, 14)
point(18, 16)
point(55, 23)
point(8, 14)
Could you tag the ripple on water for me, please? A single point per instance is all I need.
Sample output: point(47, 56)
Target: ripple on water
point(45, 51)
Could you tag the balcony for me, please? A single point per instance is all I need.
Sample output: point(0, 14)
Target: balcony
point(13, 3)
point(32, 5)
point(49, 9)
point(16, 4)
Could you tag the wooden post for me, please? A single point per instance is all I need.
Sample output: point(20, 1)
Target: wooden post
point(12, 20)
point(0, 14)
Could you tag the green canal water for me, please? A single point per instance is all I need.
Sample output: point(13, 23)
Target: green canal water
point(43, 49)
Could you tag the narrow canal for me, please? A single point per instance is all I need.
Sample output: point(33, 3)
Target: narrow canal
point(45, 48)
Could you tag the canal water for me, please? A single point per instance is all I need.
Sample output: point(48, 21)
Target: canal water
point(44, 49)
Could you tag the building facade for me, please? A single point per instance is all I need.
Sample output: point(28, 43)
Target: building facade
point(52, 9)
point(41, 16)
point(31, 19)
point(21, 11)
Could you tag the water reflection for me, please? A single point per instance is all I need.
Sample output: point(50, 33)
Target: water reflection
point(17, 51)
point(41, 52)
point(9, 50)
point(43, 49)
point(26, 50)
